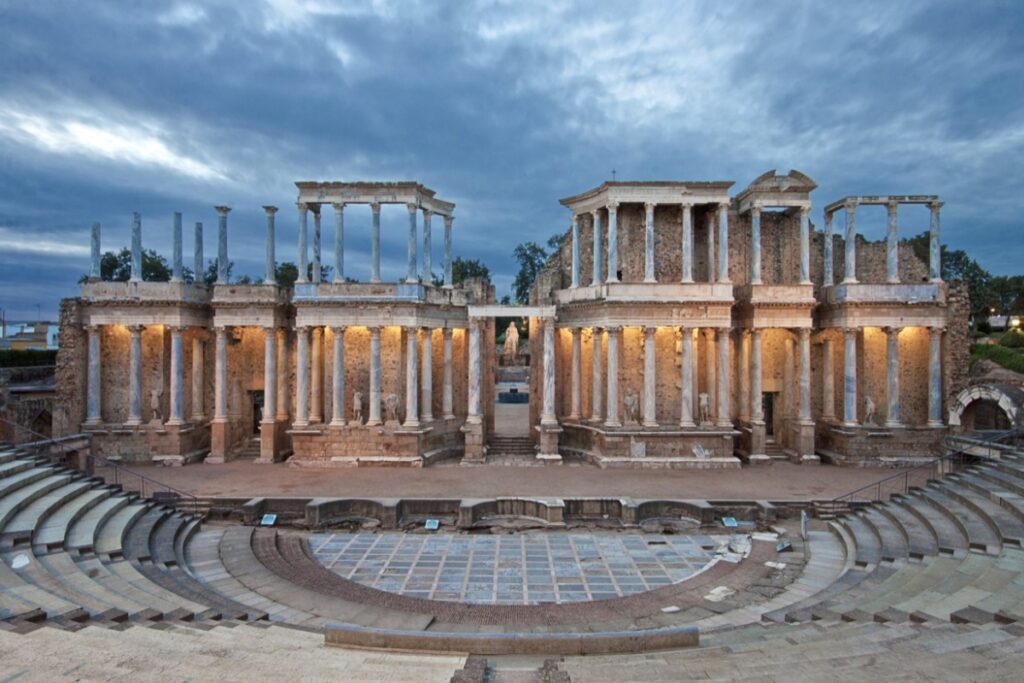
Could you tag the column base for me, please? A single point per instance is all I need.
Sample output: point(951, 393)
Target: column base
point(549, 436)
point(268, 442)
point(132, 422)
point(804, 446)
point(612, 424)
point(648, 423)
point(935, 423)
point(473, 452)
point(758, 439)
point(220, 433)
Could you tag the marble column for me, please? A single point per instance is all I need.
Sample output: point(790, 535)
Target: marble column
point(316, 408)
point(198, 267)
point(755, 245)
point(576, 371)
point(373, 416)
point(412, 390)
point(220, 376)
point(687, 243)
point(649, 275)
point(723, 243)
point(892, 385)
point(827, 257)
point(686, 378)
point(426, 277)
point(301, 377)
point(339, 241)
point(269, 375)
point(934, 245)
point(828, 381)
point(613, 242)
point(805, 376)
point(711, 245)
point(375, 244)
point(447, 396)
point(710, 367)
point(134, 375)
point(650, 414)
point(303, 251)
point(473, 415)
point(805, 245)
point(427, 377)
point(222, 244)
point(547, 415)
point(176, 402)
point(198, 381)
point(787, 379)
point(94, 261)
point(892, 244)
point(850, 377)
point(136, 274)
point(612, 410)
point(724, 413)
point(270, 258)
point(177, 267)
point(595, 374)
point(935, 376)
point(850, 262)
point(410, 269)
point(743, 376)
point(317, 274)
point(595, 216)
point(282, 377)
point(575, 266)
point(756, 393)
point(338, 377)
point(448, 251)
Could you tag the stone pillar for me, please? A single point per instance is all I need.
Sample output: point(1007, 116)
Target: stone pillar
point(935, 376)
point(375, 244)
point(473, 415)
point(426, 276)
point(412, 391)
point(575, 282)
point(649, 275)
point(447, 397)
point(427, 378)
point(301, 377)
point(613, 242)
point(222, 244)
point(282, 377)
point(805, 245)
point(612, 409)
point(448, 251)
point(134, 375)
point(710, 367)
point(892, 367)
point(576, 372)
point(743, 376)
point(94, 261)
point(892, 244)
point(219, 432)
point(758, 436)
point(198, 267)
point(316, 410)
point(338, 377)
point(136, 274)
point(804, 409)
point(596, 219)
point(850, 276)
point(595, 374)
point(410, 270)
point(373, 416)
point(724, 416)
point(828, 382)
point(339, 241)
point(723, 243)
point(175, 411)
point(687, 246)
point(547, 416)
point(711, 245)
point(176, 258)
point(827, 257)
point(198, 380)
point(650, 414)
point(686, 378)
point(303, 252)
point(269, 375)
point(850, 377)
point(787, 382)
point(934, 248)
point(317, 275)
point(755, 245)
point(270, 259)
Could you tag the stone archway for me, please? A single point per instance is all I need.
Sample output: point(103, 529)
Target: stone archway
point(1008, 398)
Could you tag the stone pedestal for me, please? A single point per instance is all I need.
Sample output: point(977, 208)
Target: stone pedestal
point(220, 440)
point(269, 432)
point(474, 449)
point(803, 443)
point(549, 444)
point(758, 438)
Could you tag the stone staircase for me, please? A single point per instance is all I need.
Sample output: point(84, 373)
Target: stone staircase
point(511, 446)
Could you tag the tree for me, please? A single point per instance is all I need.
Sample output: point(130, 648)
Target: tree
point(117, 267)
point(1007, 292)
point(286, 274)
point(531, 258)
point(957, 265)
point(210, 277)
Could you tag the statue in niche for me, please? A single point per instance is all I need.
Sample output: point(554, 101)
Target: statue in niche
point(511, 341)
point(391, 405)
point(357, 408)
point(869, 410)
point(154, 405)
point(704, 406)
point(632, 404)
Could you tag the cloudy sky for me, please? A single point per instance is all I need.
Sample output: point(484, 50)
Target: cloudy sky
point(502, 107)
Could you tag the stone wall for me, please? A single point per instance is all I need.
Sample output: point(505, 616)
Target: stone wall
point(71, 370)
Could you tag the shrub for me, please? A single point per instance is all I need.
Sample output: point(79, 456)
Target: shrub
point(1011, 359)
point(1012, 338)
point(984, 327)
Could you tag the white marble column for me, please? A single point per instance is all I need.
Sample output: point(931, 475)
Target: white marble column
point(473, 415)
point(303, 251)
point(935, 376)
point(94, 261)
point(412, 390)
point(427, 277)
point(595, 216)
point(850, 263)
point(710, 367)
point(755, 245)
point(723, 243)
point(448, 251)
point(410, 270)
point(850, 377)
point(575, 230)
point(220, 376)
point(136, 275)
point(828, 382)
point(338, 377)
point(427, 378)
point(613, 242)
point(198, 381)
point(934, 245)
point(177, 267)
point(686, 378)
point(176, 402)
point(892, 385)
point(805, 376)
point(650, 413)
point(317, 273)
point(270, 259)
point(282, 376)
point(595, 374)
point(301, 377)
point(724, 413)
point(743, 376)
point(316, 408)
point(787, 379)
point(756, 393)
point(222, 244)
point(649, 274)
point(612, 409)
point(93, 406)
point(827, 257)
point(373, 417)
point(375, 244)
point(577, 375)
point(198, 267)
point(447, 396)
point(547, 415)
point(339, 241)
point(711, 245)
point(805, 245)
point(134, 375)
point(687, 243)
point(892, 244)
point(269, 375)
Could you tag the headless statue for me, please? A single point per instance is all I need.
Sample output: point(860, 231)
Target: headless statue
point(357, 408)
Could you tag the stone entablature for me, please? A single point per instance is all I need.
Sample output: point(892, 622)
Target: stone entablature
point(771, 190)
point(649, 192)
point(397, 192)
point(177, 293)
point(618, 292)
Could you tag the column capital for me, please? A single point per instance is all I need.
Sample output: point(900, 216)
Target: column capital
point(850, 330)
point(302, 328)
point(686, 204)
point(375, 207)
point(314, 209)
point(723, 206)
point(338, 329)
point(613, 329)
point(596, 213)
point(891, 206)
point(133, 329)
point(755, 209)
point(649, 206)
point(850, 205)
point(411, 208)
point(427, 213)
point(935, 206)
point(805, 211)
point(222, 210)
point(338, 206)
point(804, 332)
point(448, 221)
point(303, 207)
point(936, 329)
point(613, 207)
point(890, 329)
point(271, 210)
point(176, 328)
point(270, 329)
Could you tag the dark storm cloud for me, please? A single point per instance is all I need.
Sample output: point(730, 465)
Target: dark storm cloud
point(108, 108)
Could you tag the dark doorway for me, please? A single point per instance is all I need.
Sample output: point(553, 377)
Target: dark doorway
point(768, 408)
point(257, 411)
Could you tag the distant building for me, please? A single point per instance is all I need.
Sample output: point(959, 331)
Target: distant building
point(24, 336)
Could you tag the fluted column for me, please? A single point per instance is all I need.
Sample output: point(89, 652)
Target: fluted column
point(850, 376)
point(755, 245)
point(805, 376)
point(756, 393)
point(723, 243)
point(710, 371)
point(93, 407)
point(575, 282)
point(711, 245)
point(473, 415)
point(547, 415)
point(850, 266)
point(222, 244)
point(687, 245)
point(892, 244)
point(934, 245)
point(426, 277)
point(412, 393)
point(316, 409)
point(613, 242)
point(198, 267)
point(805, 245)
point(892, 367)
point(576, 372)
point(686, 378)
point(270, 258)
point(649, 243)
point(269, 374)
point(375, 244)
point(198, 381)
point(724, 417)
point(136, 275)
point(650, 413)
point(935, 376)
point(317, 274)
point(427, 378)
point(301, 377)
point(447, 397)
point(596, 219)
point(828, 382)
point(177, 267)
point(595, 374)
point(827, 257)
point(303, 251)
point(134, 375)
point(339, 241)
point(410, 270)
point(448, 251)
point(612, 409)
point(220, 376)
point(338, 377)
point(374, 408)
point(282, 377)
point(174, 414)
point(94, 260)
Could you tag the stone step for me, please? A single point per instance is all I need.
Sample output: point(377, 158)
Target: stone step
point(894, 544)
point(51, 531)
point(19, 527)
point(12, 503)
point(110, 537)
point(921, 541)
point(81, 534)
point(23, 478)
point(1008, 529)
point(950, 539)
point(12, 467)
point(980, 535)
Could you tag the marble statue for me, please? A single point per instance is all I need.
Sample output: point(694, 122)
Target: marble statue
point(154, 404)
point(632, 405)
point(869, 410)
point(704, 406)
point(391, 408)
point(357, 408)
point(511, 341)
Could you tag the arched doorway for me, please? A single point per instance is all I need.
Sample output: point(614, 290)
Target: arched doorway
point(987, 407)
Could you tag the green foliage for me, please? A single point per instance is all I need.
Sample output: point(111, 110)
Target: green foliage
point(531, 257)
point(1011, 359)
point(117, 267)
point(1012, 339)
point(957, 265)
point(20, 358)
point(462, 270)
point(286, 274)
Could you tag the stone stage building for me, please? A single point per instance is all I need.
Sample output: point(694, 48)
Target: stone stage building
point(678, 326)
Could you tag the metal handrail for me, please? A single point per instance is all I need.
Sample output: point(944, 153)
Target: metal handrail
point(43, 438)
